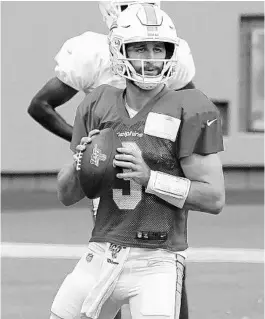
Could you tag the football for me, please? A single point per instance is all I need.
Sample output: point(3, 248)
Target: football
point(95, 164)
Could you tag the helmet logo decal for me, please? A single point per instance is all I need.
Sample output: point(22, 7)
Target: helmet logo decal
point(151, 18)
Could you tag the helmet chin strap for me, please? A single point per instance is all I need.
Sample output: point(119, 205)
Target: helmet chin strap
point(146, 86)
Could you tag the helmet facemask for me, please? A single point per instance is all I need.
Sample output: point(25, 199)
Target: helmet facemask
point(122, 65)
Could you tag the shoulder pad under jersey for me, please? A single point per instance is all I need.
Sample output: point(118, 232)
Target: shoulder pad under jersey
point(185, 70)
point(81, 59)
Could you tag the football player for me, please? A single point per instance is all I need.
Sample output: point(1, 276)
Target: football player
point(83, 64)
point(171, 142)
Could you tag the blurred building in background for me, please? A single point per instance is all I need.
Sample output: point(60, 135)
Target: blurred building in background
point(227, 43)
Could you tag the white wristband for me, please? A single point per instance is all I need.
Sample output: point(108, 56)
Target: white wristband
point(173, 189)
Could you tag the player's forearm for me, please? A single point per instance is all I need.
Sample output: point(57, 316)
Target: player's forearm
point(183, 193)
point(69, 190)
point(205, 197)
point(45, 115)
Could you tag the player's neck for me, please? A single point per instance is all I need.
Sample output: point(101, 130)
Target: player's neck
point(137, 98)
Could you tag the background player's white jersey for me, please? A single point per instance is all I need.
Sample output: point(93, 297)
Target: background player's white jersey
point(84, 64)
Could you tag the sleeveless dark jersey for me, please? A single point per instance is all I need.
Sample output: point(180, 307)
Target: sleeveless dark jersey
point(171, 126)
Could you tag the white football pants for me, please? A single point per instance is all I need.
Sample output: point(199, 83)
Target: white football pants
point(149, 280)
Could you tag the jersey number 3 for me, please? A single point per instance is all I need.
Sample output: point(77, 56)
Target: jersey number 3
point(131, 200)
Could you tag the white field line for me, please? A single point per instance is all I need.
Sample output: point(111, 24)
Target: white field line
point(59, 251)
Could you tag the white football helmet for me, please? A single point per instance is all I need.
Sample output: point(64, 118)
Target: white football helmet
point(110, 10)
point(141, 23)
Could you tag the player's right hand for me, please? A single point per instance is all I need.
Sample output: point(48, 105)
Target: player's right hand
point(82, 146)
point(86, 140)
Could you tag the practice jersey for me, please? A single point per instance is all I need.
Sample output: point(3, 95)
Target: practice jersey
point(84, 64)
point(173, 125)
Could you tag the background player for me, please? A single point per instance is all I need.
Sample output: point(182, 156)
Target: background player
point(184, 124)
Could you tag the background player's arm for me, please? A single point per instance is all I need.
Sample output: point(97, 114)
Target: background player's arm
point(206, 191)
point(42, 107)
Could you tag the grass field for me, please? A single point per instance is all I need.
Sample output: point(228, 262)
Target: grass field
point(221, 283)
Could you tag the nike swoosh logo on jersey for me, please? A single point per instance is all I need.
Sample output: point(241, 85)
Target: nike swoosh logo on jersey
point(211, 122)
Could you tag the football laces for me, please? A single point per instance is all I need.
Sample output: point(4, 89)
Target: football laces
point(78, 158)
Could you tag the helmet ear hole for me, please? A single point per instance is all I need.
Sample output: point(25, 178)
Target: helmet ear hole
point(123, 7)
point(170, 48)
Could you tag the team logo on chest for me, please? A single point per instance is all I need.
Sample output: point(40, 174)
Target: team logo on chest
point(97, 156)
point(129, 134)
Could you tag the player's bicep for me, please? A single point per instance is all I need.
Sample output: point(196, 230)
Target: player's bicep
point(55, 92)
point(204, 168)
point(201, 127)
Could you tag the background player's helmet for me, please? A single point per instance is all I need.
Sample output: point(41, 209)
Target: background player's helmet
point(141, 23)
point(110, 10)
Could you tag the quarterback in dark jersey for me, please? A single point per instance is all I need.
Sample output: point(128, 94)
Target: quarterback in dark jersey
point(83, 64)
point(170, 140)
point(171, 126)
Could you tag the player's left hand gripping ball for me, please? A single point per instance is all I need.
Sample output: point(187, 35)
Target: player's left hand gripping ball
point(130, 159)
point(95, 162)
